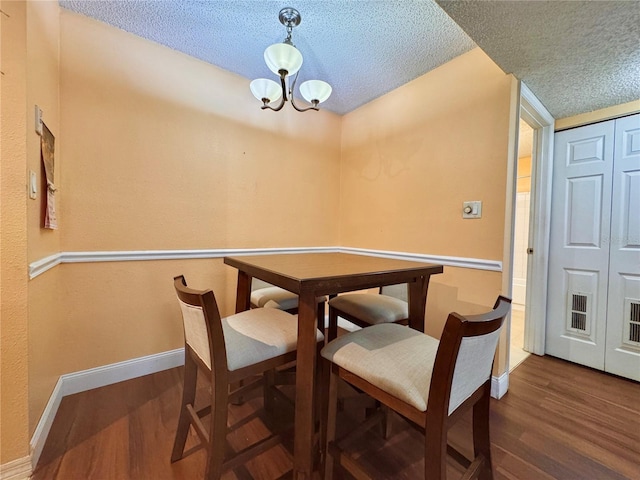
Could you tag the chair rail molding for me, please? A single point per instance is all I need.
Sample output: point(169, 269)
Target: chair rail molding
point(462, 262)
point(40, 266)
point(47, 263)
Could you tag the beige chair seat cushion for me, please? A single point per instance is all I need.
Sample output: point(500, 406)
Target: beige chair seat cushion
point(370, 308)
point(394, 358)
point(256, 335)
point(276, 297)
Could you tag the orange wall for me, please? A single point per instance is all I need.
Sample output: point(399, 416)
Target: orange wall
point(410, 159)
point(162, 151)
point(158, 150)
point(45, 301)
point(524, 175)
point(170, 152)
point(14, 440)
point(43, 56)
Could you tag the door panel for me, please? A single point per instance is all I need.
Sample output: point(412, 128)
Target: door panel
point(583, 214)
point(623, 322)
point(579, 244)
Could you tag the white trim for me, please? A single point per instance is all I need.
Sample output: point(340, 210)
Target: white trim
point(40, 266)
point(462, 262)
point(119, 372)
point(536, 115)
point(138, 255)
point(19, 469)
point(510, 208)
point(76, 382)
point(500, 385)
point(44, 424)
point(525, 105)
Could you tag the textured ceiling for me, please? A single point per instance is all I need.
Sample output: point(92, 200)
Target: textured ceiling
point(575, 56)
point(363, 49)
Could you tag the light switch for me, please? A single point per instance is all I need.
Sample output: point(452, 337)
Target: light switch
point(472, 209)
point(33, 184)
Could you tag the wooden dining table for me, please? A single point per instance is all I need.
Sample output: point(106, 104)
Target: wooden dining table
point(312, 275)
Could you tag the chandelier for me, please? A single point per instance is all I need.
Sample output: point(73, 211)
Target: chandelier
point(285, 60)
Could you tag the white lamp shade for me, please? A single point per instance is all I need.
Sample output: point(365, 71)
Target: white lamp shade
point(265, 88)
point(315, 90)
point(282, 56)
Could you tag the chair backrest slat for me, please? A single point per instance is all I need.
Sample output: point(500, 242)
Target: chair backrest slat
point(473, 366)
point(202, 325)
point(400, 291)
point(195, 331)
point(465, 357)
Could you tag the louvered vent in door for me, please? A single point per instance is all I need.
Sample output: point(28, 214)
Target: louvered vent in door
point(632, 324)
point(578, 312)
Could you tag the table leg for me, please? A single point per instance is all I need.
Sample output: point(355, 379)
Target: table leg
point(418, 302)
point(243, 293)
point(304, 448)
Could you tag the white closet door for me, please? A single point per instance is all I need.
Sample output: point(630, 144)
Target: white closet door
point(622, 355)
point(579, 244)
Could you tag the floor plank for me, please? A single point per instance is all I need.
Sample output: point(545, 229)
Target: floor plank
point(558, 421)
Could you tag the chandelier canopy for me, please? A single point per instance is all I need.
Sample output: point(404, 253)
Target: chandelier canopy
point(285, 60)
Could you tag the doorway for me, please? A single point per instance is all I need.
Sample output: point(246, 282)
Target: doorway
point(521, 243)
point(528, 110)
point(517, 353)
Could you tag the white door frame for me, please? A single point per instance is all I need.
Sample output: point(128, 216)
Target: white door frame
point(537, 116)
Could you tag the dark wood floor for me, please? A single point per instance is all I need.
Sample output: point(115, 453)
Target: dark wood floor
point(558, 421)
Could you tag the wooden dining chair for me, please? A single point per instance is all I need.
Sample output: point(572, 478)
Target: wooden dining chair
point(265, 295)
point(227, 351)
point(390, 305)
point(429, 382)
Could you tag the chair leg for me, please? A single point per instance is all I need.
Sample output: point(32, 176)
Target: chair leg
point(386, 421)
point(217, 430)
point(320, 314)
point(435, 450)
point(188, 397)
point(320, 386)
point(329, 413)
point(332, 331)
point(481, 438)
point(268, 395)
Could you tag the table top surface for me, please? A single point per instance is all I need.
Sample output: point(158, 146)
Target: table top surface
point(318, 266)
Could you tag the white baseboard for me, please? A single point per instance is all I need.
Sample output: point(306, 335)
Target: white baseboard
point(119, 372)
point(500, 385)
point(19, 469)
point(44, 424)
point(93, 378)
